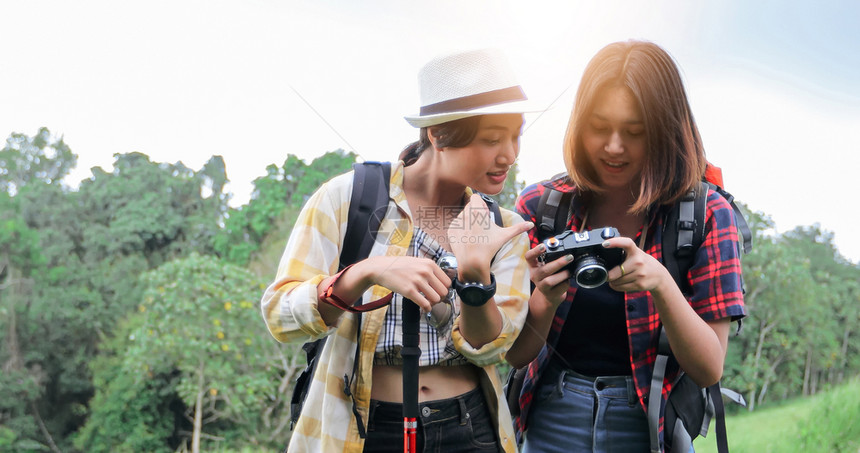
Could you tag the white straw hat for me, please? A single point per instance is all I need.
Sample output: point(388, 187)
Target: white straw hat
point(459, 85)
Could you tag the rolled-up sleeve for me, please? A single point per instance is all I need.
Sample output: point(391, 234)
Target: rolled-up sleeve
point(715, 275)
point(512, 293)
point(289, 304)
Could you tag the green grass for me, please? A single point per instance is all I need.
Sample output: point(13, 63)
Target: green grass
point(828, 422)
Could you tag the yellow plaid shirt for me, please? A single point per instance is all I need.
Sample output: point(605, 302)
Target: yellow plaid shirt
point(289, 307)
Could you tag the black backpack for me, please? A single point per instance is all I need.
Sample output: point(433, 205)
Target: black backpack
point(689, 409)
point(367, 207)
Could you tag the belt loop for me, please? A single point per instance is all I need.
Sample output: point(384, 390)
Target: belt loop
point(464, 413)
point(559, 386)
point(632, 395)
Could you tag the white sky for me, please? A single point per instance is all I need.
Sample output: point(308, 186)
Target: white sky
point(773, 85)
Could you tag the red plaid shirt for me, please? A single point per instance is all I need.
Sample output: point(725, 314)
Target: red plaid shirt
point(715, 278)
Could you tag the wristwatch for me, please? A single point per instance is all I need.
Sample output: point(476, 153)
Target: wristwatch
point(475, 294)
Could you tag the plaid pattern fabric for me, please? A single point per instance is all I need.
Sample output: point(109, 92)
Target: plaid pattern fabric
point(289, 308)
point(714, 277)
point(437, 348)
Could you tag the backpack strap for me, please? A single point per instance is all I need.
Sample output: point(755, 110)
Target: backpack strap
point(367, 207)
point(720, 416)
point(366, 210)
point(655, 394)
point(495, 210)
point(553, 212)
point(680, 436)
point(683, 233)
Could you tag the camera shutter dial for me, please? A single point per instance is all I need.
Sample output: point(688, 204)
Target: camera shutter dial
point(607, 233)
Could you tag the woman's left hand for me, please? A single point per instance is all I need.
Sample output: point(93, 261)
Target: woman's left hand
point(638, 272)
point(475, 238)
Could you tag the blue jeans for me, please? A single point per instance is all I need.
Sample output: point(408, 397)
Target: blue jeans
point(459, 424)
point(576, 413)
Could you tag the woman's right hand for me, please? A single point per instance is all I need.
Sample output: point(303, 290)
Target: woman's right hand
point(420, 280)
point(547, 278)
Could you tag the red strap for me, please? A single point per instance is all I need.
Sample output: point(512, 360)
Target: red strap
point(331, 298)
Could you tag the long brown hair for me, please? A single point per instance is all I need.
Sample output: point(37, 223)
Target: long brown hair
point(675, 158)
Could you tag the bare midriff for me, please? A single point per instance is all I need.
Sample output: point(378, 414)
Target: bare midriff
point(434, 382)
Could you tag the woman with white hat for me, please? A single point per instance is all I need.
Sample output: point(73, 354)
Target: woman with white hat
point(470, 123)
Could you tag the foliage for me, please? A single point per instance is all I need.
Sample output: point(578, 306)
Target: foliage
point(93, 243)
point(27, 160)
point(832, 423)
point(131, 411)
point(197, 342)
point(19, 244)
point(825, 422)
point(283, 189)
point(801, 298)
point(156, 210)
point(27, 166)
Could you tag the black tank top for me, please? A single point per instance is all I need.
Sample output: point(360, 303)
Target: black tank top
point(594, 339)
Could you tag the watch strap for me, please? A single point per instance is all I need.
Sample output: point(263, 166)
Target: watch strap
point(488, 290)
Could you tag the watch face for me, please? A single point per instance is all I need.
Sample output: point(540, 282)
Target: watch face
point(475, 295)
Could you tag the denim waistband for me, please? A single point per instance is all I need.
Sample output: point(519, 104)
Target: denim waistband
point(432, 411)
point(620, 385)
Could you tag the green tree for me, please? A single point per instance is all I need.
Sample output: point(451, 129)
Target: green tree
point(42, 158)
point(27, 166)
point(20, 380)
point(198, 333)
point(93, 244)
point(274, 205)
point(801, 300)
point(835, 315)
point(131, 410)
point(771, 332)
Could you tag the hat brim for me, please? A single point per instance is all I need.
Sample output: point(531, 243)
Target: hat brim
point(499, 109)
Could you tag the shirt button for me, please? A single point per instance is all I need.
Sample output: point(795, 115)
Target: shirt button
point(631, 307)
point(425, 411)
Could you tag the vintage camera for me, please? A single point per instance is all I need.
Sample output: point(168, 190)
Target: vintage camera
point(590, 259)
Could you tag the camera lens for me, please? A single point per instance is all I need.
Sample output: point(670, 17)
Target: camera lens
point(589, 271)
point(440, 314)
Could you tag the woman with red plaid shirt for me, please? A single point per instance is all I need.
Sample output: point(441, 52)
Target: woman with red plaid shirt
point(632, 150)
